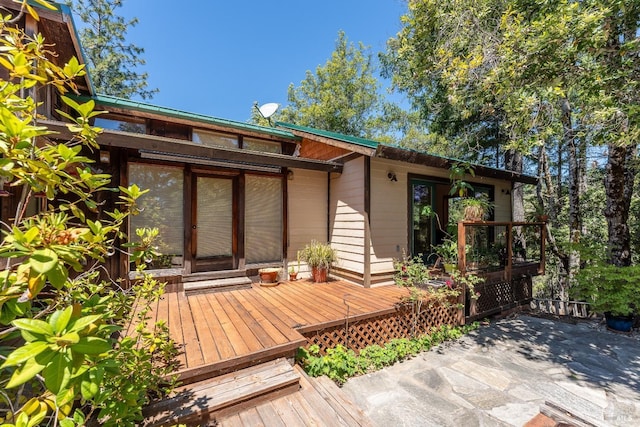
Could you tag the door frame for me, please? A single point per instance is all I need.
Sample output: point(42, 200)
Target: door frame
point(237, 226)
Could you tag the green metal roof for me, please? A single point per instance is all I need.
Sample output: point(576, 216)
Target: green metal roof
point(112, 101)
point(379, 146)
point(363, 142)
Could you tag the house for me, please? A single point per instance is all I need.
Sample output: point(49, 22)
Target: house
point(231, 197)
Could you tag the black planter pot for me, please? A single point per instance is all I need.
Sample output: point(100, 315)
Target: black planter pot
point(618, 323)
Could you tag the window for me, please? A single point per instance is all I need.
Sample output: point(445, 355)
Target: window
point(161, 208)
point(213, 139)
point(261, 145)
point(422, 214)
point(121, 125)
point(263, 220)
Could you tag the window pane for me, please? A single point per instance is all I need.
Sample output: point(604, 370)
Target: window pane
point(422, 219)
point(161, 208)
point(260, 145)
point(215, 217)
point(212, 139)
point(263, 219)
point(125, 126)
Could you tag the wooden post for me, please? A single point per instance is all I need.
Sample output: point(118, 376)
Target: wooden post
point(462, 242)
point(543, 247)
point(509, 267)
point(367, 252)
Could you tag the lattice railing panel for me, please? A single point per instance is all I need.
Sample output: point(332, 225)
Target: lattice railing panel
point(381, 329)
point(500, 294)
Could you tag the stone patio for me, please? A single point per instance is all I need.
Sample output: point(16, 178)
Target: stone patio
point(503, 373)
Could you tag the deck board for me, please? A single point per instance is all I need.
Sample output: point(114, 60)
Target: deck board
point(218, 329)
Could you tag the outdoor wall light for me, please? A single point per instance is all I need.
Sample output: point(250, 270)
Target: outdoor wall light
point(506, 191)
point(105, 157)
point(392, 176)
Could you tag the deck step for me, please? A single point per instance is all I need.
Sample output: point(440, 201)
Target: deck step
point(213, 275)
point(217, 285)
point(199, 403)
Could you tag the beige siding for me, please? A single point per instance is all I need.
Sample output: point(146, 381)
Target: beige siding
point(307, 211)
point(347, 216)
point(389, 207)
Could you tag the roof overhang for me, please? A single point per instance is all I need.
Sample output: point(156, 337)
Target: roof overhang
point(409, 156)
point(171, 149)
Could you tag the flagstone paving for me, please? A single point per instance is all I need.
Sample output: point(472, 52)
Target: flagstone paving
point(501, 374)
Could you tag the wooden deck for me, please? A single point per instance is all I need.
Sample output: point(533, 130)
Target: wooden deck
point(319, 402)
point(225, 331)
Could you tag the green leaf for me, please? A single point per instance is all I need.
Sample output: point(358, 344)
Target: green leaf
point(33, 325)
point(81, 323)
point(30, 369)
point(89, 388)
point(43, 260)
point(24, 353)
point(57, 373)
point(58, 276)
point(91, 345)
point(60, 319)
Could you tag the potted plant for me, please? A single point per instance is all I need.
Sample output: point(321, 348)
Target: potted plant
point(611, 290)
point(269, 275)
point(293, 274)
point(448, 253)
point(476, 208)
point(319, 257)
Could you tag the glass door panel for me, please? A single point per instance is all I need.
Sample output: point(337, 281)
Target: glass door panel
point(422, 227)
point(213, 223)
point(263, 221)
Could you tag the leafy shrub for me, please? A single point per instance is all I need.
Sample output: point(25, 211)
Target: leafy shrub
point(64, 355)
point(341, 363)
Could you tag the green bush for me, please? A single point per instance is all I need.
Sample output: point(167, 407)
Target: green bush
point(340, 363)
point(64, 357)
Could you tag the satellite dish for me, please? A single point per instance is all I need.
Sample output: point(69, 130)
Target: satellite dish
point(268, 110)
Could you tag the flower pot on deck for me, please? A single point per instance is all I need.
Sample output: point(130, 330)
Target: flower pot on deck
point(268, 275)
point(319, 274)
point(450, 267)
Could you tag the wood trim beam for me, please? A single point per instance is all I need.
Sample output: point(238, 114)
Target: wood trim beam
point(403, 155)
point(111, 138)
point(194, 124)
point(334, 143)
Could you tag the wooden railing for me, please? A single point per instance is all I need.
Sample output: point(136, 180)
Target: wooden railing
point(506, 255)
point(491, 246)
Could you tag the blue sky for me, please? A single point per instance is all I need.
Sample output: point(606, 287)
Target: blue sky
point(218, 57)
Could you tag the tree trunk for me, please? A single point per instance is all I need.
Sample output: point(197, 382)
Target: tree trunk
point(618, 184)
point(513, 162)
point(575, 216)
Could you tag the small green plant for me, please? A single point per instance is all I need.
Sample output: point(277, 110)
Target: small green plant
point(318, 255)
point(467, 281)
point(457, 173)
point(477, 208)
point(410, 271)
point(447, 251)
point(340, 363)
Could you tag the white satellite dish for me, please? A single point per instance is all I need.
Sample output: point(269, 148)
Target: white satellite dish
point(268, 110)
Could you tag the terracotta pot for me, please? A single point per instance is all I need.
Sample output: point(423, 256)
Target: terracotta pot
point(319, 274)
point(293, 276)
point(268, 275)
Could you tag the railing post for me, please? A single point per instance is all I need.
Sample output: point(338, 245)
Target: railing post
point(462, 250)
point(509, 266)
point(543, 247)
